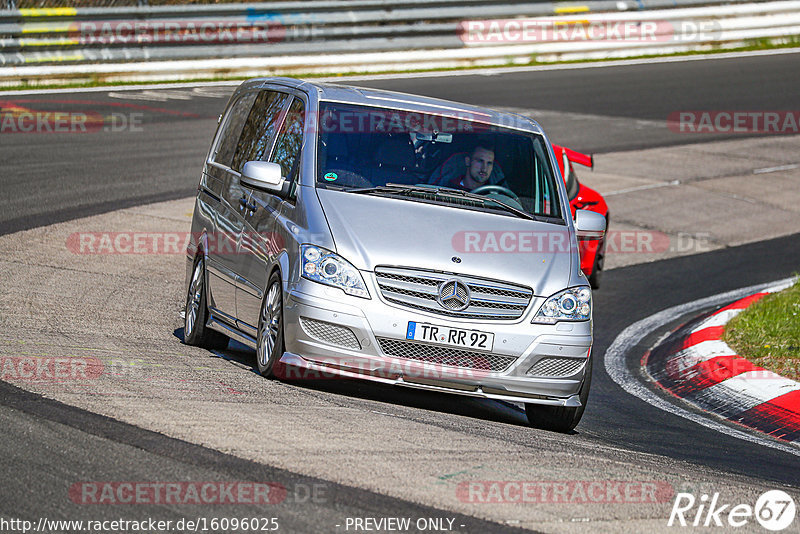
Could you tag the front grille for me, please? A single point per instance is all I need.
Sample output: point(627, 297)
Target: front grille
point(489, 299)
point(330, 333)
point(449, 356)
point(556, 367)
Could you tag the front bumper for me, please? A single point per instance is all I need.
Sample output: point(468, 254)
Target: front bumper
point(329, 334)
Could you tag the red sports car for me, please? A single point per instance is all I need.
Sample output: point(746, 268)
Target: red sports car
point(593, 252)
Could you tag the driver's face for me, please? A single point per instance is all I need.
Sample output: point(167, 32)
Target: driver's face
point(480, 164)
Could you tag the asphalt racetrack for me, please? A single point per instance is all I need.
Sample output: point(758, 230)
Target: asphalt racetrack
point(344, 450)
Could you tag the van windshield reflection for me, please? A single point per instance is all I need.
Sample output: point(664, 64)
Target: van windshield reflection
point(420, 156)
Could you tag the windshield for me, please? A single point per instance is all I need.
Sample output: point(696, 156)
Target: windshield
point(361, 148)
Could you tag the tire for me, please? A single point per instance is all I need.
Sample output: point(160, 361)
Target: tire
point(269, 344)
point(195, 331)
point(561, 418)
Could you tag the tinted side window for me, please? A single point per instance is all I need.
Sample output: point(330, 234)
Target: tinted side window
point(259, 130)
point(234, 123)
point(290, 140)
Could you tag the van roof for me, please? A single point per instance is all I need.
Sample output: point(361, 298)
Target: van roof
point(408, 102)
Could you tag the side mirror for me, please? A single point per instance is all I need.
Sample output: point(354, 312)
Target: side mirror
point(263, 175)
point(589, 224)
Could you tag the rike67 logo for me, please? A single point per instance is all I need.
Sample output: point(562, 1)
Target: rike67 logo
point(774, 510)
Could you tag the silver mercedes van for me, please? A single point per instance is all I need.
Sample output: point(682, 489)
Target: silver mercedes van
point(357, 233)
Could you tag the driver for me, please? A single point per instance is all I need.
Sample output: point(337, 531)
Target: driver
point(480, 163)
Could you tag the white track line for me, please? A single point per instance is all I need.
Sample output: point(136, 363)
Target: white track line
point(617, 369)
point(779, 168)
point(112, 88)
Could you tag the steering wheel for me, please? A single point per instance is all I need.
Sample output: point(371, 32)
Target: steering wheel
point(490, 188)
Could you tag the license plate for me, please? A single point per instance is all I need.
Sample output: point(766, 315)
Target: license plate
point(445, 335)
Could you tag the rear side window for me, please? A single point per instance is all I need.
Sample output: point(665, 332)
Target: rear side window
point(259, 130)
point(234, 122)
point(290, 140)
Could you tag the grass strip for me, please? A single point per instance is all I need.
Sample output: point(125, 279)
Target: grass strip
point(767, 333)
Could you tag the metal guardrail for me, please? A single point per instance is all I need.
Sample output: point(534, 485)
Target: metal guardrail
point(39, 4)
point(182, 32)
point(319, 35)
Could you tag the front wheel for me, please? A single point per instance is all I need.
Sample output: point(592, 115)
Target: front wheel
point(270, 347)
point(561, 418)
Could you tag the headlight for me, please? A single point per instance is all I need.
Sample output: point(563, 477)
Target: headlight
point(329, 268)
point(573, 304)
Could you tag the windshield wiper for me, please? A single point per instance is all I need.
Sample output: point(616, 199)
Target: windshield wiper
point(472, 196)
point(395, 188)
point(443, 191)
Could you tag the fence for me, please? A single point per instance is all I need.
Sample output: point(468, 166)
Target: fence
point(224, 39)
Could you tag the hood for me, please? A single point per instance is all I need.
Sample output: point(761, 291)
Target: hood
point(370, 230)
